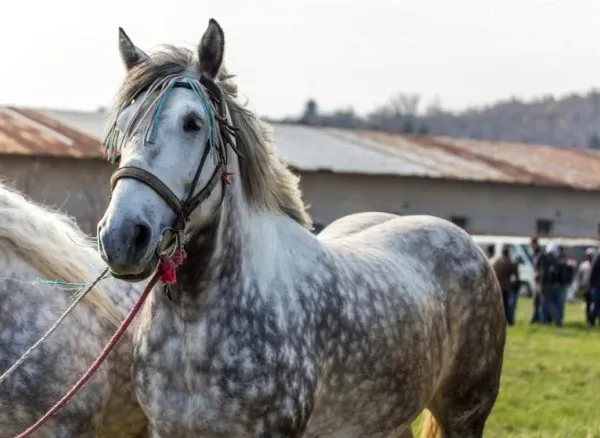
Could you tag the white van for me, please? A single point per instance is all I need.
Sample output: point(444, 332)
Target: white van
point(519, 248)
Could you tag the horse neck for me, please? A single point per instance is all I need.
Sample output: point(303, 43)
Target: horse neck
point(242, 250)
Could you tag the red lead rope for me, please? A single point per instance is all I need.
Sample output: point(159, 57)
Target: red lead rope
point(166, 273)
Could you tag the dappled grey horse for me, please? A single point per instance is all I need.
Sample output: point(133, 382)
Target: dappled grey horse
point(269, 330)
point(36, 243)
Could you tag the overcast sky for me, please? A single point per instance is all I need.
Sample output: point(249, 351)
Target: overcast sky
point(63, 53)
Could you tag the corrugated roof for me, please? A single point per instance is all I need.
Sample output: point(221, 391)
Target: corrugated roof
point(28, 132)
point(90, 123)
point(353, 151)
point(313, 149)
point(477, 160)
point(342, 150)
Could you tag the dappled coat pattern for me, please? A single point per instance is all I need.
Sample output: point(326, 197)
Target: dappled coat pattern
point(269, 330)
point(36, 243)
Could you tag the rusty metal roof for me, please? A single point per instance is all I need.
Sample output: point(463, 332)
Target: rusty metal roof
point(77, 134)
point(439, 157)
point(28, 132)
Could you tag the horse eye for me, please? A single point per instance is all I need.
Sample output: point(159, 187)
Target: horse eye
point(192, 123)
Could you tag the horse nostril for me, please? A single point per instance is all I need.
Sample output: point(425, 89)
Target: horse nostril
point(101, 247)
point(142, 236)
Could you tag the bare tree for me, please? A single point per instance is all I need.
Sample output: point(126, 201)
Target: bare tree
point(409, 102)
point(434, 107)
point(403, 104)
point(399, 114)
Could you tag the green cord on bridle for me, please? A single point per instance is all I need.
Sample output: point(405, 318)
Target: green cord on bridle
point(115, 139)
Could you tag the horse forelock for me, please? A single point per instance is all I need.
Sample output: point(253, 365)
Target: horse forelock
point(54, 245)
point(266, 181)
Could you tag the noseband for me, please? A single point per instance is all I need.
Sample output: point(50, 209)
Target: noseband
point(224, 137)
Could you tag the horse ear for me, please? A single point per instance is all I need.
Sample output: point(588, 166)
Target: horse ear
point(130, 54)
point(211, 49)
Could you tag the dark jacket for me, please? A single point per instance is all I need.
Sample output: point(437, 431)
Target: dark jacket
point(507, 273)
point(595, 273)
point(567, 272)
point(550, 270)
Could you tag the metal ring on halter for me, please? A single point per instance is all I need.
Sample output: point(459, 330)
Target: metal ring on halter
point(176, 246)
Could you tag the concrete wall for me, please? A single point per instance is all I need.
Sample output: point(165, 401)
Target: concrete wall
point(489, 208)
point(78, 187)
point(81, 188)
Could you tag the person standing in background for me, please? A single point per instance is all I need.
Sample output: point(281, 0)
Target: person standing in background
point(582, 279)
point(565, 278)
point(552, 283)
point(594, 312)
point(507, 274)
point(536, 315)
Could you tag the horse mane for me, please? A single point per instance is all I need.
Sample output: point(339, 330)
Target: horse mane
point(53, 243)
point(267, 182)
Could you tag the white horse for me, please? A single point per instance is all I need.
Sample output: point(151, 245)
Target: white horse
point(270, 331)
point(37, 243)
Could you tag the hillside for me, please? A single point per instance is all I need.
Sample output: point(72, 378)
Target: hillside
point(571, 121)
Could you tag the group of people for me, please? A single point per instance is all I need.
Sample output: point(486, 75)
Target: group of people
point(553, 276)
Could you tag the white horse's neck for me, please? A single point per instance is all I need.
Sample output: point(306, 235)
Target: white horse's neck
point(246, 250)
point(274, 245)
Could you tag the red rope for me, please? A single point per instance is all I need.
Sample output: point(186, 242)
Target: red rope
point(166, 273)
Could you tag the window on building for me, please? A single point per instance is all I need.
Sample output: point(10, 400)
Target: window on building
point(543, 227)
point(460, 221)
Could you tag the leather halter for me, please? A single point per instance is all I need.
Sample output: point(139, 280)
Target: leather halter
point(183, 208)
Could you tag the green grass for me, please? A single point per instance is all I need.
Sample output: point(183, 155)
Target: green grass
point(550, 385)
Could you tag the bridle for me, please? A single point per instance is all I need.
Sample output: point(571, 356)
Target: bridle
point(224, 136)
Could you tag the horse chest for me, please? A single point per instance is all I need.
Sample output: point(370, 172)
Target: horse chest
point(205, 378)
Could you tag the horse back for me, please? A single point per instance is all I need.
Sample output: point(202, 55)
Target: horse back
point(437, 296)
point(447, 255)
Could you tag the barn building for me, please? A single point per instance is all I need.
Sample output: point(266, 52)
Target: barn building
point(485, 187)
point(55, 164)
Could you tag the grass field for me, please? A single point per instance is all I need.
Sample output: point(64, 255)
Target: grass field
point(550, 384)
